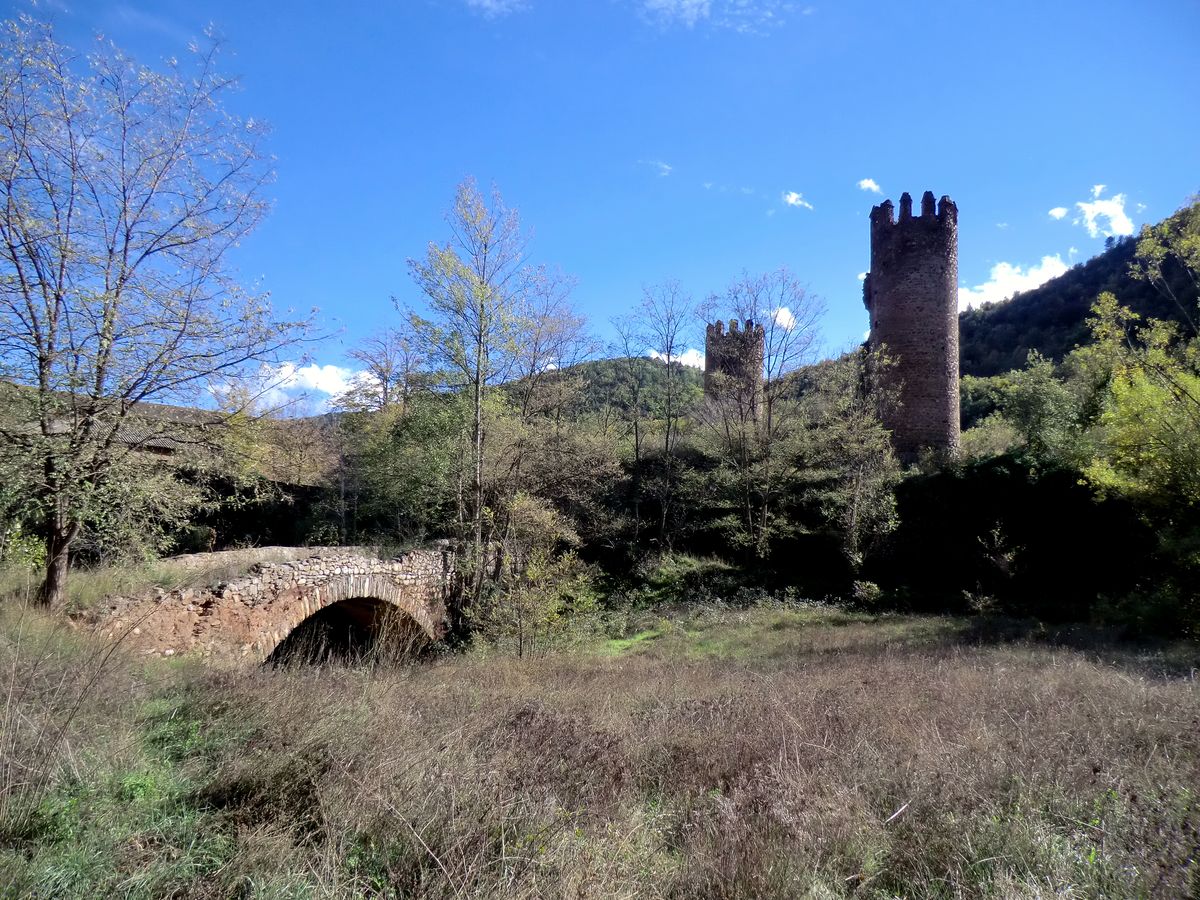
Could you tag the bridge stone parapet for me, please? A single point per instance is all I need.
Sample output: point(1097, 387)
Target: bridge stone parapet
point(247, 617)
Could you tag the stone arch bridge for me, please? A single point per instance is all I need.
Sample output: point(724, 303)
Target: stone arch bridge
point(251, 616)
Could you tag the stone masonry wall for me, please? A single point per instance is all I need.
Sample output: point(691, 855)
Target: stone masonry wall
point(911, 294)
point(246, 618)
point(737, 355)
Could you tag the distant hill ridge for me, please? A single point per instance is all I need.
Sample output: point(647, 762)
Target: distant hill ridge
point(1052, 319)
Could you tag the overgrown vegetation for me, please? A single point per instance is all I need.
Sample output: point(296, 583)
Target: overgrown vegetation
point(774, 751)
point(1120, 418)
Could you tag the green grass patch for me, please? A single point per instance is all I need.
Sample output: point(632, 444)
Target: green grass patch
point(617, 646)
point(128, 826)
point(771, 632)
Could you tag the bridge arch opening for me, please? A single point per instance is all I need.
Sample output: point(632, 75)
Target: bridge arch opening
point(353, 631)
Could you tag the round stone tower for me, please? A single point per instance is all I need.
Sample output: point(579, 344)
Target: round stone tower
point(911, 294)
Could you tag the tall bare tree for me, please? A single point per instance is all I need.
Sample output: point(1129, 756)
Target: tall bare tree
point(552, 338)
point(667, 319)
point(122, 190)
point(392, 362)
point(630, 347)
point(790, 317)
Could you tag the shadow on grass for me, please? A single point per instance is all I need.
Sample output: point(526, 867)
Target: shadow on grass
point(1146, 655)
point(781, 634)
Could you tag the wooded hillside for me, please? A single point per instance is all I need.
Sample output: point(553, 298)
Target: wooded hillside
point(1052, 319)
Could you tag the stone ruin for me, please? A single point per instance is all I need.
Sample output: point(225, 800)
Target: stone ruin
point(248, 617)
point(733, 363)
point(911, 294)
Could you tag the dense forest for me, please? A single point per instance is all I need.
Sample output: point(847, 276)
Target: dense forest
point(1052, 319)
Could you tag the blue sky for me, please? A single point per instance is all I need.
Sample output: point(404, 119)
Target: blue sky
point(645, 140)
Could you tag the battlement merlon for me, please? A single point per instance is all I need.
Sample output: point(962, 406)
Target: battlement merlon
point(947, 212)
point(746, 331)
point(944, 211)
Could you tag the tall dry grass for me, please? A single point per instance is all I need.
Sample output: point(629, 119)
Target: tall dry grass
point(872, 761)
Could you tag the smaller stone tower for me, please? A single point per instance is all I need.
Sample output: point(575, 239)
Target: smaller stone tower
point(911, 294)
point(733, 363)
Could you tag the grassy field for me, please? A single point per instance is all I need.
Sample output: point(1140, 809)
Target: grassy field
point(706, 752)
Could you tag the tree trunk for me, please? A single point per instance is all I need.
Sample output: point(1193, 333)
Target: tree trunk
point(53, 591)
point(477, 476)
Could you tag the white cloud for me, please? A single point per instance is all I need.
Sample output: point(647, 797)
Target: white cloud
point(862, 276)
point(1007, 279)
point(493, 9)
point(741, 16)
point(1107, 217)
point(870, 184)
point(663, 169)
point(785, 318)
point(690, 357)
point(708, 185)
point(327, 379)
point(747, 191)
point(1059, 212)
point(1001, 225)
point(280, 387)
point(791, 198)
point(678, 12)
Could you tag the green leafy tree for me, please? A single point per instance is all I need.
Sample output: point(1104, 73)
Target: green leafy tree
point(401, 467)
point(847, 468)
point(549, 596)
point(1168, 257)
point(1045, 412)
point(501, 333)
point(1150, 446)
